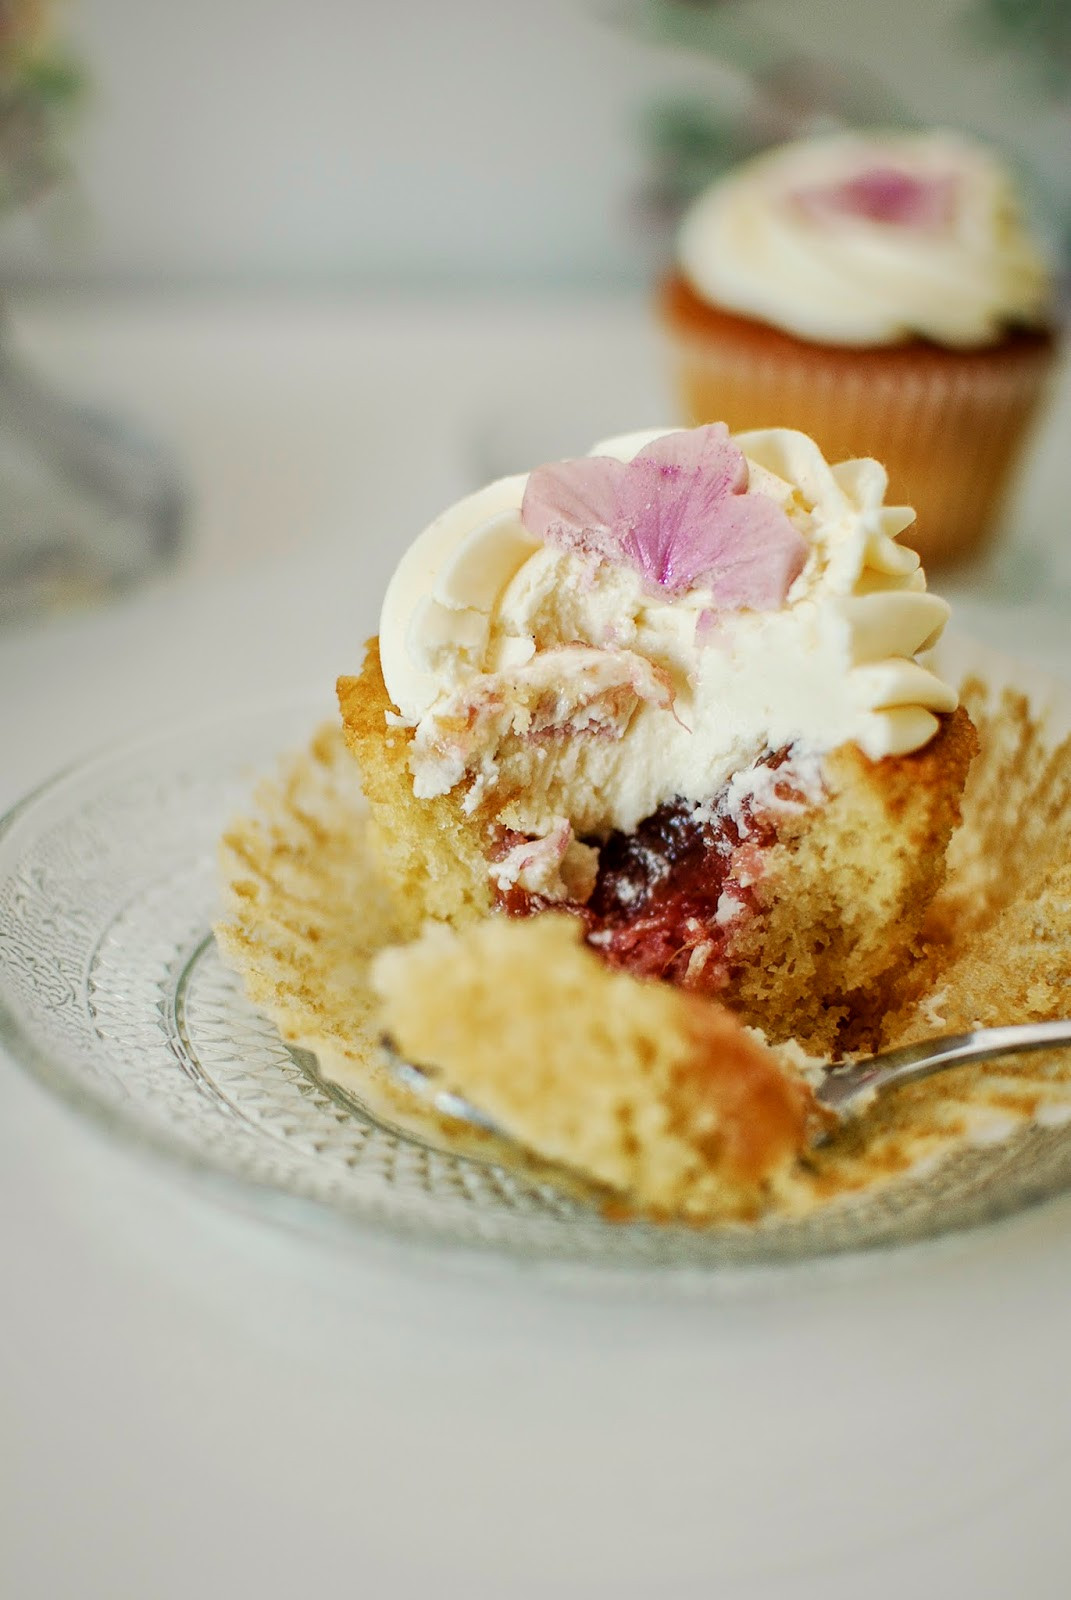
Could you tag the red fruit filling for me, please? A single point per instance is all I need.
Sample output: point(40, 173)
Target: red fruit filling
point(654, 908)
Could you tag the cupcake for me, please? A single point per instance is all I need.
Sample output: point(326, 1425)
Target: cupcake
point(662, 1097)
point(880, 293)
point(670, 689)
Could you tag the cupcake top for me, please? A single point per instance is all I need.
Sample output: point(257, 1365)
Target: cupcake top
point(869, 239)
point(606, 634)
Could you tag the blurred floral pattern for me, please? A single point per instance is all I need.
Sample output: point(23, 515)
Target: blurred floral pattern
point(39, 85)
point(693, 137)
point(780, 93)
point(1039, 30)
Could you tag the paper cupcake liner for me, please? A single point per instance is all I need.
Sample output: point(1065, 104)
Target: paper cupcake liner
point(937, 1154)
point(948, 428)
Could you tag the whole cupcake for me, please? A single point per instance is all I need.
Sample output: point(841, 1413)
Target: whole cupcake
point(881, 293)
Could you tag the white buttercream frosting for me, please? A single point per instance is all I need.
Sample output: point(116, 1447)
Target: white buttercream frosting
point(558, 685)
point(770, 241)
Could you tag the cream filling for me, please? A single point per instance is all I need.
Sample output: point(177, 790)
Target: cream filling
point(750, 246)
point(562, 690)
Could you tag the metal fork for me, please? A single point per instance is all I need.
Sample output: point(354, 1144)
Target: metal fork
point(847, 1088)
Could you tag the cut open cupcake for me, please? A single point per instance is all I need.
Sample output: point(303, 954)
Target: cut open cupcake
point(671, 689)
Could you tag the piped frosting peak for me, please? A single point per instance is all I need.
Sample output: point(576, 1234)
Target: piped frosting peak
point(570, 643)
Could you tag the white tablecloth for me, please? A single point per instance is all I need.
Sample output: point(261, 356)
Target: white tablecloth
point(198, 1402)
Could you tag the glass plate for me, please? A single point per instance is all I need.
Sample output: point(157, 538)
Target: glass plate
point(112, 992)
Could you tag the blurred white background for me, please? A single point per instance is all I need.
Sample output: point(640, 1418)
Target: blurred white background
point(346, 261)
point(442, 143)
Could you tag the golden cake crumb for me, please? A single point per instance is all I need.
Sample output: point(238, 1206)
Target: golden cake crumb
point(661, 1095)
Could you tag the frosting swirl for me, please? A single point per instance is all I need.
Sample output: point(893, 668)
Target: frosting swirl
point(567, 686)
point(867, 240)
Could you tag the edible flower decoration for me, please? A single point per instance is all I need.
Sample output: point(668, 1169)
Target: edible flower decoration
point(680, 513)
point(887, 195)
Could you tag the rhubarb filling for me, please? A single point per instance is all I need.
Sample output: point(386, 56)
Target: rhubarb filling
point(668, 896)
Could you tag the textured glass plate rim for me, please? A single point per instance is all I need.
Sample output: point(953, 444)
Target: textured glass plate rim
point(243, 1189)
point(290, 1205)
point(63, 1080)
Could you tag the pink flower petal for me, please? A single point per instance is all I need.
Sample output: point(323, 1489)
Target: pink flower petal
point(670, 499)
point(760, 554)
point(708, 450)
point(573, 504)
point(680, 514)
point(888, 195)
point(708, 627)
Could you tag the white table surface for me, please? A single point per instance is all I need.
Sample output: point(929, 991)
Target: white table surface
point(195, 1401)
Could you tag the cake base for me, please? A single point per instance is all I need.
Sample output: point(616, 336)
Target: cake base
point(814, 910)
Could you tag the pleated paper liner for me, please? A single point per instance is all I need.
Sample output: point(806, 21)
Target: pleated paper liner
point(304, 915)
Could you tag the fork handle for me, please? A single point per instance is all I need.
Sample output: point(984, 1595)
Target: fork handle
point(845, 1086)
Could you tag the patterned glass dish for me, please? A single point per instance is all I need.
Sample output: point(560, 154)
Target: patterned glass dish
point(113, 993)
